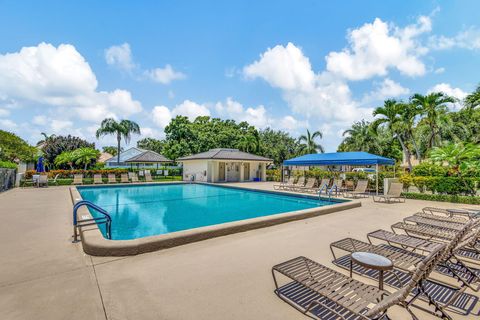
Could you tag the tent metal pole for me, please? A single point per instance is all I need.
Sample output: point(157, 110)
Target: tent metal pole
point(376, 169)
point(283, 178)
point(394, 165)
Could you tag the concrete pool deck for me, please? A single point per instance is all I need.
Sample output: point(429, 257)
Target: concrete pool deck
point(44, 276)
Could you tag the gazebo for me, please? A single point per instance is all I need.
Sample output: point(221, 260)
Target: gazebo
point(340, 158)
point(148, 157)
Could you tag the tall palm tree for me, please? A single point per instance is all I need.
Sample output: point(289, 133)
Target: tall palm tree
point(391, 119)
point(248, 143)
point(433, 107)
point(408, 113)
point(46, 138)
point(123, 129)
point(473, 99)
point(360, 137)
point(310, 146)
point(85, 156)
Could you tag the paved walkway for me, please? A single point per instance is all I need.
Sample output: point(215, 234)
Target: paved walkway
point(44, 276)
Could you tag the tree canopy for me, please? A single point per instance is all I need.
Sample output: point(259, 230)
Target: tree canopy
point(55, 145)
point(14, 148)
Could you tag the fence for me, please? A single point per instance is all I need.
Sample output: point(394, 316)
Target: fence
point(7, 179)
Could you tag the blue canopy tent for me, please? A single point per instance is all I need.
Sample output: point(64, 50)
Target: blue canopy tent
point(340, 158)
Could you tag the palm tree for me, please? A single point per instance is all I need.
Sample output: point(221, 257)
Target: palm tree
point(66, 157)
point(455, 154)
point(360, 137)
point(310, 146)
point(123, 129)
point(46, 138)
point(391, 118)
point(433, 107)
point(408, 113)
point(248, 143)
point(85, 156)
point(473, 99)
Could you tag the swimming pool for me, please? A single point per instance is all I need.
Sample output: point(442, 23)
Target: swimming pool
point(140, 211)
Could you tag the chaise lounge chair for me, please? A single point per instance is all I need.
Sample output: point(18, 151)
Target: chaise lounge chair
point(282, 185)
point(77, 179)
point(124, 178)
point(326, 292)
point(97, 179)
point(360, 190)
point(148, 176)
point(112, 178)
point(133, 177)
point(300, 183)
point(308, 187)
point(393, 195)
point(42, 180)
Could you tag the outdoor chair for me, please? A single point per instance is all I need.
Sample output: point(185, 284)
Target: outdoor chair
point(338, 185)
point(308, 187)
point(42, 180)
point(283, 185)
point(360, 190)
point(124, 178)
point(445, 218)
point(97, 179)
point(112, 178)
point(326, 293)
point(300, 183)
point(148, 176)
point(77, 179)
point(393, 195)
point(467, 213)
point(134, 177)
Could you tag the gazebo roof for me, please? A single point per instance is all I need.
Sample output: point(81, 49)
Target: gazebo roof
point(148, 157)
point(339, 158)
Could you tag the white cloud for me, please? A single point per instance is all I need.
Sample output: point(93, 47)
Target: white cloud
point(40, 120)
point(385, 90)
point(449, 90)
point(7, 124)
point(161, 116)
point(191, 110)
point(376, 47)
point(283, 67)
point(439, 70)
point(148, 132)
point(466, 39)
point(231, 109)
point(59, 126)
point(4, 112)
point(165, 75)
point(120, 56)
point(60, 77)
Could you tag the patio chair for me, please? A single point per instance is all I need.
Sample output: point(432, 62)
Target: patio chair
point(324, 291)
point(457, 219)
point(349, 185)
point(124, 178)
point(97, 179)
point(393, 195)
point(77, 179)
point(282, 185)
point(300, 183)
point(112, 178)
point(308, 187)
point(425, 231)
point(42, 180)
point(434, 222)
point(360, 190)
point(134, 177)
point(338, 184)
point(148, 176)
point(55, 179)
point(467, 213)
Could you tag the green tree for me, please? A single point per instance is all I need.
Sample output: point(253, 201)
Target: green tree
point(65, 158)
point(112, 150)
point(310, 145)
point(151, 144)
point(278, 145)
point(123, 129)
point(46, 138)
point(455, 154)
point(473, 99)
point(14, 148)
point(433, 108)
point(55, 145)
point(248, 143)
point(360, 137)
point(85, 156)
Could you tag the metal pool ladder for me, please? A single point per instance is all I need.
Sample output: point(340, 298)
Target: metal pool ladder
point(105, 219)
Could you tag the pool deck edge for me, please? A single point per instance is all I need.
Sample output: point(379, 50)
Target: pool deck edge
point(95, 244)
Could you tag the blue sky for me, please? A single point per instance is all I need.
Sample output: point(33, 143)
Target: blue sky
point(289, 65)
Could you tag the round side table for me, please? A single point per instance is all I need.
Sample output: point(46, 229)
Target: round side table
point(371, 261)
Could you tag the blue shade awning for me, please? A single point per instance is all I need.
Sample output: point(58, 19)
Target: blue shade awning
point(339, 158)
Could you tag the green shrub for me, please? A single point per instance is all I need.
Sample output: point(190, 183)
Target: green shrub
point(443, 198)
point(407, 180)
point(274, 175)
point(8, 165)
point(427, 169)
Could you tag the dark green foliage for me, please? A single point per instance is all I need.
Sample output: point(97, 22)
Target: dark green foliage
point(111, 149)
point(427, 169)
point(12, 148)
point(443, 198)
point(55, 145)
point(151, 144)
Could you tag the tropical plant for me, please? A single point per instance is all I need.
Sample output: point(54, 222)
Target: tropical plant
point(433, 107)
point(309, 143)
point(361, 137)
point(56, 145)
point(65, 158)
point(46, 138)
point(123, 129)
point(111, 150)
point(85, 156)
point(473, 99)
point(151, 144)
point(13, 148)
point(248, 143)
point(457, 156)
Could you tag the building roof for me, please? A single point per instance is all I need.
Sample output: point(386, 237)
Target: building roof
point(338, 158)
point(126, 154)
point(148, 157)
point(104, 156)
point(225, 154)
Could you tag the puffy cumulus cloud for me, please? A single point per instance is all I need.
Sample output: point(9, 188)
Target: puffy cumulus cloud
point(148, 132)
point(191, 110)
point(165, 75)
point(59, 126)
point(284, 67)
point(120, 56)
point(60, 77)
point(8, 124)
point(40, 120)
point(449, 90)
point(4, 112)
point(161, 116)
point(467, 39)
point(231, 109)
point(376, 47)
point(385, 90)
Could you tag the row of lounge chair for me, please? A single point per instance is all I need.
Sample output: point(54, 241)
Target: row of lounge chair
point(435, 261)
point(112, 178)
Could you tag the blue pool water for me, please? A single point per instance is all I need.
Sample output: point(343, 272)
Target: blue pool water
point(146, 210)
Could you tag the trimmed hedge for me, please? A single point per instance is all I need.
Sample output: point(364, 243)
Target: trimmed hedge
point(8, 165)
point(443, 198)
point(442, 185)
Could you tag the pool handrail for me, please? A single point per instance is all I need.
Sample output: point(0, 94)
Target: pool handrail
point(107, 219)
